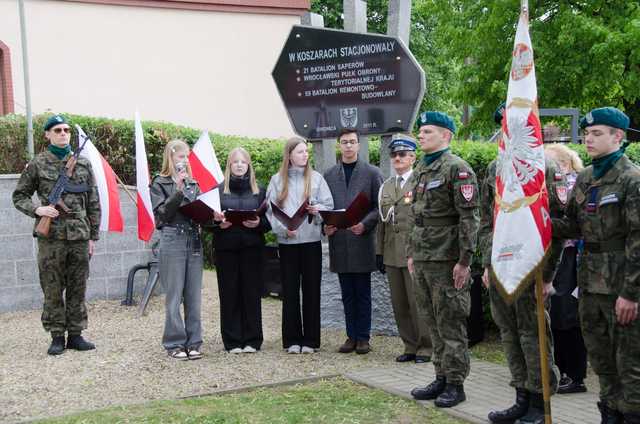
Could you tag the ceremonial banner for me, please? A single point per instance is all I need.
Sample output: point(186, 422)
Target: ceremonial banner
point(146, 222)
point(110, 214)
point(522, 224)
point(204, 164)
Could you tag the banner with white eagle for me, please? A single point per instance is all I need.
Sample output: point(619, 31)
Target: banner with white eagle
point(522, 224)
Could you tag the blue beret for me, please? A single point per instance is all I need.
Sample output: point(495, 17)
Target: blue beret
point(499, 113)
point(402, 142)
point(438, 119)
point(606, 116)
point(53, 121)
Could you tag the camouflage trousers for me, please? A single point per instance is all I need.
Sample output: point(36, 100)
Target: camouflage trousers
point(446, 310)
point(64, 269)
point(613, 350)
point(518, 324)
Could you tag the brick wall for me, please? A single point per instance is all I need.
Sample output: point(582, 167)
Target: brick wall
point(115, 254)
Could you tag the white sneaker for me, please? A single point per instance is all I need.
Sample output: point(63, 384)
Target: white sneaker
point(236, 350)
point(294, 349)
point(307, 349)
point(249, 349)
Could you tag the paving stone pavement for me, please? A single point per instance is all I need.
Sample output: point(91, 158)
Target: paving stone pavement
point(487, 388)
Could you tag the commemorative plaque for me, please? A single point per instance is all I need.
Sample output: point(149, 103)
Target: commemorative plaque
point(330, 79)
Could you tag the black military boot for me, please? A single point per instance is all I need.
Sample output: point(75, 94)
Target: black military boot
point(452, 395)
point(535, 412)
point(515, 411)
point(78, 342)
point(432, 391)
point(631, 418)
point(57, 345)
point(609, 415)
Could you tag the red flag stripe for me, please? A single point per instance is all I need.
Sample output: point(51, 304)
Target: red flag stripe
point(205, 179)
point(145, 221)
point(115, 216)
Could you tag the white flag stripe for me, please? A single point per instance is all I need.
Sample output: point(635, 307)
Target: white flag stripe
point(142, 167)
point(91, 153)
point(207, 156)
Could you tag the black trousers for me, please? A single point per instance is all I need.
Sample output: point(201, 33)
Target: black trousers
point(570, 353)
point(240, 288)
point(301, 266)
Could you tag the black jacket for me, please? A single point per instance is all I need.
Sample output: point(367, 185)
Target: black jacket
point(239, 237)
point(166, 200)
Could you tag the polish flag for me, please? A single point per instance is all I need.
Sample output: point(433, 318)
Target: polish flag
point(204, 164)
point(110, 214)
point(522, 223)
point(146, 223)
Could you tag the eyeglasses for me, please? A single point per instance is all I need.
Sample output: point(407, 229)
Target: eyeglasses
point(345, 142)
point(401, 153)
point(66, 130)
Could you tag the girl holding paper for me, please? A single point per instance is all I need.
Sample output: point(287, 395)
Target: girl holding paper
point(239, 256)
point(180, 263)
point(300, 248)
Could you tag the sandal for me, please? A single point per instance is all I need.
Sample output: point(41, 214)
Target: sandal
point(194, 354)
point(178, 353)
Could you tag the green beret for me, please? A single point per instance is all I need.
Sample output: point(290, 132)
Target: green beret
point(605, 116)
point(53, 121)
point(497, 115)
point(438, 119)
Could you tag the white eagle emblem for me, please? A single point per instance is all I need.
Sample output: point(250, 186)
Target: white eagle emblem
point(518, 163)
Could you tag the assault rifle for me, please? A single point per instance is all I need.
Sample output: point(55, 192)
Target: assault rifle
point(63, 185)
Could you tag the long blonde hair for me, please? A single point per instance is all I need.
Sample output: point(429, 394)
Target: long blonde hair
point(291, 144)
point(167, 162)
point(252, 175)
point(563, 154)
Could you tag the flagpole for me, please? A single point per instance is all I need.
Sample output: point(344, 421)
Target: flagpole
point(542, 343)
point(133, 199)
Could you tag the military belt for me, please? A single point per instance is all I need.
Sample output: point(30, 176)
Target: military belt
point(604, 246)
point(437, 222)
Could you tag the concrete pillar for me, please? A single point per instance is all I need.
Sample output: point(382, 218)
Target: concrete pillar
point(398, 25)
point(312, 19)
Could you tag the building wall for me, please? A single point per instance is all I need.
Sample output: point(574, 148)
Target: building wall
point(201, 68)
point(115, 255)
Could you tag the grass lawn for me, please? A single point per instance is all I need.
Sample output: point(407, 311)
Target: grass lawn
point(326, 401)
point(490, 350)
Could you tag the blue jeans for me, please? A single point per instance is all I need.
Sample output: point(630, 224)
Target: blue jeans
point(356, 299)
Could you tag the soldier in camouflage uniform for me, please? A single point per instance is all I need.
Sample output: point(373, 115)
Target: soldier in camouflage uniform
point(440, 248)
point(518, 321)
point(603, 209)
point(63, 256)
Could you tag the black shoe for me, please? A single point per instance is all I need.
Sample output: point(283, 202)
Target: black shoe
point(79, 343)
point(363, 347)
point(572, 387)
point(515, 411)
point(348, 346)
point(432, 391)
point(406, 357)
point(631, 418)
point(421, 359)
point(535, 412)
point(564, 380)
point(57, 345)
point(608, 415)
point(452, 395)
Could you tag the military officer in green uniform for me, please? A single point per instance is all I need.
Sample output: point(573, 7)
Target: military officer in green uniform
point(440, 248)
point(394, 204)
point(63, 256)
point(604, 210)
point(517, 321)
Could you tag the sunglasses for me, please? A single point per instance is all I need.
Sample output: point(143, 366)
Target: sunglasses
point(401, 153)
point(66, 130)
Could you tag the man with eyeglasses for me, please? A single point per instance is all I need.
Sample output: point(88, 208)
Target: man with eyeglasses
point(352, 251)
point(394, 204)
point(63, 256)
point(440, 248)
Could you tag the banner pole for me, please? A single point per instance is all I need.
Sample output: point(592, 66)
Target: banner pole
point(125, 189)
point(542, 344)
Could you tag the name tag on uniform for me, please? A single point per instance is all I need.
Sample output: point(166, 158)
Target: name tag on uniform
point(609, 198)
point(434, 184)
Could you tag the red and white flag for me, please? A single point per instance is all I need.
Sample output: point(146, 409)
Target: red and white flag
point(522, 224)
point(110, 214)
point(204, 164)
point(146, 222)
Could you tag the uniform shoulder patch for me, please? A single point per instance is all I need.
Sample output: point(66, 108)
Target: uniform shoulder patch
point(561, 191)
point(557, 176)
point(467, 191)
point(463, 175)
